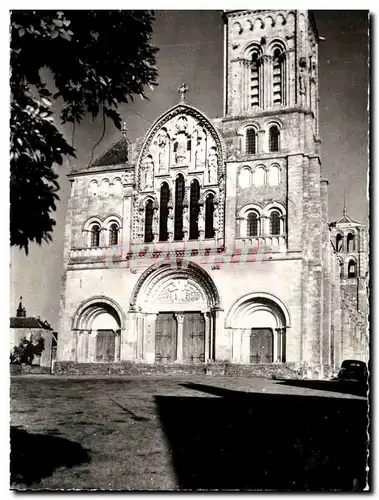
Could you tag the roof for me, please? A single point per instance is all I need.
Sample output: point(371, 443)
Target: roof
point(116, 154)
point(345, 219)
point(30, 322)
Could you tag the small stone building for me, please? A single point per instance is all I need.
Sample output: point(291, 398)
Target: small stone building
point(22, 326)
point(209, 240)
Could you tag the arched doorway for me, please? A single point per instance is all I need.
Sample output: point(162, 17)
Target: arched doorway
point(97, 326)
point(174, 310)
point(259, 324)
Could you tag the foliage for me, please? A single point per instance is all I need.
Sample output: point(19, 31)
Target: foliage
point(26, 350)
point(97, 59)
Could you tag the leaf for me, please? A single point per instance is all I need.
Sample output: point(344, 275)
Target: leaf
point(65, 36)
point(46, 102)
point(21, 32)
point(54, 34)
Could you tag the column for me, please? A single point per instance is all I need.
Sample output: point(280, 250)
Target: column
point(207, 326)
point(179, 343)
point(275, 345)
point(220, 347)
point(139, 335)
point(245, 345)
point(117, 345)
point(92, 346)
point(236, 346)
point(148, 328)
point(86, 341)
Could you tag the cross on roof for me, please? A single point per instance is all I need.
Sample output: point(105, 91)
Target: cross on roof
point(124, 129)
point(182, 90)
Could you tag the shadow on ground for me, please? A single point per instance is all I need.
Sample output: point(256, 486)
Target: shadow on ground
point(354, 388)
point(254, 441)
point(35, 456)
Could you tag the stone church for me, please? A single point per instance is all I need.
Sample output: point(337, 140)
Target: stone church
point(208, 241)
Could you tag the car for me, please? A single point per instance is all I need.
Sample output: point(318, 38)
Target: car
point(353, 370)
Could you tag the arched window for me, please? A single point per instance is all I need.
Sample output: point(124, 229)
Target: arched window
point(244, 178)
point(252, 224)
point(273, 177)
point(350, 242)
point(179, 196)
point(259, 176)
point(274, 135)
point(105, 188)
point(149, 222)
point(95, 235)
point(277, 70)
point(352, 269)
point(194, 210)
point(251, 141)
point(113, 234)
point(117, 187)
point(254, 81)
point(275, 222)
point(163, 212)
point(339, 242)
point(93, 188)
point(209, 209)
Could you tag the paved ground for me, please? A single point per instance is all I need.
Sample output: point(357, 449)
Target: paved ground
point(186, 433)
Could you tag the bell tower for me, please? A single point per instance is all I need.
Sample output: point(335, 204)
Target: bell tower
point(271, 65)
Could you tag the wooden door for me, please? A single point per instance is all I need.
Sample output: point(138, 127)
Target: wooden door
point(105, 345)
point(261, 345)
point(165, 338)
point(193, 338)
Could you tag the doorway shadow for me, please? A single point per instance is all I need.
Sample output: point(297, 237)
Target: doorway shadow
point(253, 441)
point(36, 456)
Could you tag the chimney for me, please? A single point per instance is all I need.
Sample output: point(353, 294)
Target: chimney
point(21, 311)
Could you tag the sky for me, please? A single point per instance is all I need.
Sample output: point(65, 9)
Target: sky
point(191, 51)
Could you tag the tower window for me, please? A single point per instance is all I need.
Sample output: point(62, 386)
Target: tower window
point(149, 222)
point(274, 135)
point(251, 141)
point(275, 222)
point(209, 209)
point(254, 81)
point(113, 234)
point(277, 69)
point(339, 242)
point(352, 269)
point(194, 210)
point(350, 242)
point(95, 235)
point(163, 216)
point(252, 224)
point(179, 196)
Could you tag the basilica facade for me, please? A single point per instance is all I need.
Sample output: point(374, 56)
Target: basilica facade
point(208, 241)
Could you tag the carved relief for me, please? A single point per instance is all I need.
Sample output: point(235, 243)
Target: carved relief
point(147, 173)
point(201, 222)
point(185, 222)
point(179, 291)
point(212, 164)
point(201, 144)
point(183, 138)
point(163, 151)
point(155, 225)
point(170, 224)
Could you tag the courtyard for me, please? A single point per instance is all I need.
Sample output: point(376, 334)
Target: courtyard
point(187, 433)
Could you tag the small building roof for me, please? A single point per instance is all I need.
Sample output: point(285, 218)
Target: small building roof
point(21, 321)
point(30, 322)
